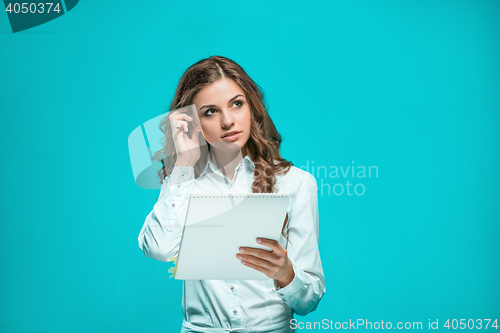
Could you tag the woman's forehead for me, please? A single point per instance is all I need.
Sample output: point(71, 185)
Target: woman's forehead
point(219, 92)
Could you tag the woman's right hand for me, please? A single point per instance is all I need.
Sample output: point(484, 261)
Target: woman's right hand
point(187, 148)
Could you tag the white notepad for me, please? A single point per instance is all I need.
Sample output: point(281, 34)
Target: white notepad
point(217, 225)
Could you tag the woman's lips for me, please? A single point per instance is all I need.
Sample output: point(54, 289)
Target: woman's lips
point(232, 137)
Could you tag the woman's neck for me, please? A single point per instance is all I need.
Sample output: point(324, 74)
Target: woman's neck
point(228, 160)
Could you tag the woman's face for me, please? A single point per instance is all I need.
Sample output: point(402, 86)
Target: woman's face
point(222, 109)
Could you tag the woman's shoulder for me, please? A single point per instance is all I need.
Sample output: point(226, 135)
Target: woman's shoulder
point(296, 179)
point(299, 174)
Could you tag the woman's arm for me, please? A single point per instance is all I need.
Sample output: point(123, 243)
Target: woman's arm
point(162, 231)
point(308, 285)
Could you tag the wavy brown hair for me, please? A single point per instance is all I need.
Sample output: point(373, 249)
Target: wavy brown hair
point(264, 143)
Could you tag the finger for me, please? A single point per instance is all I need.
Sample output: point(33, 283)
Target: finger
point(176, 114)
point(181, 125)
point(172, 116)
point(270, 243)
point(259, 262)
point(173, 113)
point(178, 118)
point(183, 116)
point(263, 254)
point(257, 267)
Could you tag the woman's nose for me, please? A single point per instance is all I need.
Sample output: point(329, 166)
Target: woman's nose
point(227, 120)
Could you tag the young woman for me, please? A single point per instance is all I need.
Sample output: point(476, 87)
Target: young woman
point(241, 155)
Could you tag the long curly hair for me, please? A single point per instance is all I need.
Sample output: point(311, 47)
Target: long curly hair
point(264, 142)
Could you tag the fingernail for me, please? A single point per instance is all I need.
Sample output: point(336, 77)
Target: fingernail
point(243, 262)
point(238, 256)
point(242, 250)
point(190, 117)
point(259, 240)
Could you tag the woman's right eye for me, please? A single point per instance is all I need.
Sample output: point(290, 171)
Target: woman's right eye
point(206, 112)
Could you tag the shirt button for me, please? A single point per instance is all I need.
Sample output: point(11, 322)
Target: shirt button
point(234, 311)
point(232, 288)
point(173, 205)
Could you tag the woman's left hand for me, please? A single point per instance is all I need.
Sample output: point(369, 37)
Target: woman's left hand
point(275, 264)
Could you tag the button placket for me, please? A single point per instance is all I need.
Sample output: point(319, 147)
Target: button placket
point(237, 173)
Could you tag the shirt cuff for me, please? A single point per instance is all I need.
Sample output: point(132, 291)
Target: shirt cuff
point(287, 293)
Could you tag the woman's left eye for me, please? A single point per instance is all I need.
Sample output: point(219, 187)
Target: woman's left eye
point(238, 103)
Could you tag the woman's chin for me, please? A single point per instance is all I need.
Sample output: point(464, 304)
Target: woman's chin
point(227, 146)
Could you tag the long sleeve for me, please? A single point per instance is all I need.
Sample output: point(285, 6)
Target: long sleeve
point(162, 231)
point(308, 286)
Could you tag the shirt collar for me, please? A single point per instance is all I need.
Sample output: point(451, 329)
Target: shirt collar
point(211, 164)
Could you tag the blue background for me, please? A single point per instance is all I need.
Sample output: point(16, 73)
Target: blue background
point(411, 87)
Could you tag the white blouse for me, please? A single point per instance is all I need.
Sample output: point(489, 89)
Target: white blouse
point(241, 305)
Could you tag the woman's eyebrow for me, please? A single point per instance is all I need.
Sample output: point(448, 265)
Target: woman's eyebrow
point(214, 106)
